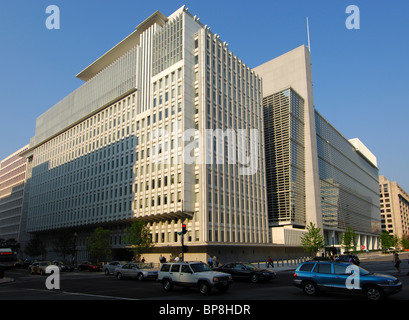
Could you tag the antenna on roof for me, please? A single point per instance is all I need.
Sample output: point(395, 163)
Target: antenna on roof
point(308, 33)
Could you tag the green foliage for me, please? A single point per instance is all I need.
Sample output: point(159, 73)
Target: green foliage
point(349, 239)
point(10, 243)
point(138, 237)
point(34, 248)
point(386, 240)
point(98, 244)
point(313, 240)
point(64, 244)
point(405, 241)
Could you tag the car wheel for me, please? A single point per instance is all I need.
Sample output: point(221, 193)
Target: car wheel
point(167, 285)
point(310, 288)
point(119, 276)
point(204, 288)
point(107, 272)
point(254, 278)
point(374, 293)
point(140, 277)
point(42, 272)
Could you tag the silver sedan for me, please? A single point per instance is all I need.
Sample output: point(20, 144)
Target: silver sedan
point(140, 271)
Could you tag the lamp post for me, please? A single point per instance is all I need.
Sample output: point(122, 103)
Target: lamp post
point(74, 256)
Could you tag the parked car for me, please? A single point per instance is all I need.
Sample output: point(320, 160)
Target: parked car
point(140, 271)
point(109, 268)
point(246, 271)
point(39, 267)
point(316, 276)
point(63, 266)
point(89, 266)
point(193, 274)
point(27, 263)
point(347, 257)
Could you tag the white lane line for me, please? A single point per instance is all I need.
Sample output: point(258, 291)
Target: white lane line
point(84, 294)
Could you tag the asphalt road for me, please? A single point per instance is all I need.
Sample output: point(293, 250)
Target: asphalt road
point(97, 286)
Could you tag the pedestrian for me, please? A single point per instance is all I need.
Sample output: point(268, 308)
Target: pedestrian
point(397, 262)
point(210, 262)
point(160, 259)
point(143, 260)
point(215, 261)
point(270, 262)
point(177, 259)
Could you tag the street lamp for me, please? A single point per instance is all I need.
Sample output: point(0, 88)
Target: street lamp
point(74, 256)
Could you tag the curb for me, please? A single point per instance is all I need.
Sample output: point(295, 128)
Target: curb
point(6, 280)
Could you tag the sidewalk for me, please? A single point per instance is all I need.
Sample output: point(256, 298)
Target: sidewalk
point(278, 266)
point(6, 280)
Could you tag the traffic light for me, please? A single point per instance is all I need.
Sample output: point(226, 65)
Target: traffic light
point(184, 228)
point(185, 249)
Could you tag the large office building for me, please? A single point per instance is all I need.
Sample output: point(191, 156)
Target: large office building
point(394, 202)
point(12, 185)
point(171, 127)
point(314, 174)
point(168, 122)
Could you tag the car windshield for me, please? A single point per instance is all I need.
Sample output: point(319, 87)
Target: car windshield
point(362, 271)
point(200, 267)
point(248, 266)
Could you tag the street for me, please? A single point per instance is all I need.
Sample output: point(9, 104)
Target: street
point(97, 286)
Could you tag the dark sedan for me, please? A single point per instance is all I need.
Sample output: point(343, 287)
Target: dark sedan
point(89, 266)
point(246, 271)
point(63, 266)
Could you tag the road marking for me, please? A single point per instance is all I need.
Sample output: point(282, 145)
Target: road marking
point(84, 294)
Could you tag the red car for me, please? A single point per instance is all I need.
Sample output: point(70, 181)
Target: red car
point(89, 266)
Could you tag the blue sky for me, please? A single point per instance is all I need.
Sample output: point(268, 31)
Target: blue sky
point(361, 77)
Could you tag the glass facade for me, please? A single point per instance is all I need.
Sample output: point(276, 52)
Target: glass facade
point(114, 81)
point(167, 45)
point(285, 153)
point(348, 182)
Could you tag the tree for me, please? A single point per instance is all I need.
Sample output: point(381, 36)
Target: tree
point(35, 247)
point(405, 241)
point(313, 240)
point(64, 245)
point(138, 237)
point(349, 239)
point(10, 243)
point(395, 241)
point(386, 240)
point(98, 244)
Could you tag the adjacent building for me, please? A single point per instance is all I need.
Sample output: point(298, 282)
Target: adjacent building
point(314, 174)
point(12, 183)
point(394, 201)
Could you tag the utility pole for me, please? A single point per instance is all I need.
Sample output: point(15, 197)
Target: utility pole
point(182, 234)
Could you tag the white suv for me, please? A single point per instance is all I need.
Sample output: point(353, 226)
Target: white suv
point(193, 274)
